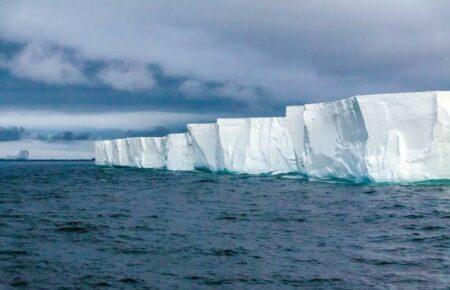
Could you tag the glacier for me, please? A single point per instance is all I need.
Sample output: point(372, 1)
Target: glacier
point(401, 137)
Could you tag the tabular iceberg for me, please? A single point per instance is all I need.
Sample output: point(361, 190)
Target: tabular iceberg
point(101, 157)
point(180, 155)
point(256, 145)
point(408, 136)
point(142, 152)
point(206, 147)
point(329, 139)
point(154, 152)
point(388, 137)
point(134, 149)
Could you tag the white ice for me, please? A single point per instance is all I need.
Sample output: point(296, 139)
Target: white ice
point(383, 138)
point(206, 147)
point(256, 145)
point(180, 155)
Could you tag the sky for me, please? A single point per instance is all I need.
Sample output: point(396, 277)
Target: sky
point(75, 71)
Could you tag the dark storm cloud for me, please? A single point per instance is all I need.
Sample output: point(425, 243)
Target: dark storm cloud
point(66, 136)
point(245, 57)
point(21, 94)
point(12, 133)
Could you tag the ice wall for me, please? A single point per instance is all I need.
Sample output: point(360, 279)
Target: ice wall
point(123, 158)
point(329, 139)
point(256, 145)
point(154, 153)
point(335, 138)
point(206, 146)
point(180, 155)
point(388, 137)
point(107, 146)
point(296, 131)
point(100, 153)
point(134, 150)
point(233, 138)
point(141, 152)
point(408, 135)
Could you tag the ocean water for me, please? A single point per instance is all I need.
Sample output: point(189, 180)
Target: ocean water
point(72, 225)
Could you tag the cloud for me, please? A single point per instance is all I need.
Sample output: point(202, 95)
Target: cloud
point(197, 90)
point(66, 136)
point(157, 131)
point(15, 133)
point(44, 64)
point(12, 133)
point(3, 62)
point(234, 90)
point(54, 120)
point(194, 89)
point(127, 77)
point(289, 50)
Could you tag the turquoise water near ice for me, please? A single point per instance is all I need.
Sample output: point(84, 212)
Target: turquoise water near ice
point(73, 225)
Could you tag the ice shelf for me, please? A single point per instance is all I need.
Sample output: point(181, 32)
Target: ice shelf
point(379, 138)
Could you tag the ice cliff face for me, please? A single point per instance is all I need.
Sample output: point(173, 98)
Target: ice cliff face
point(180, 155)
point(408, 135)
point(389, 137)
point(329, 139)
point(206, 146)
point(256, 145)
point(142, 152)
point(153, 152)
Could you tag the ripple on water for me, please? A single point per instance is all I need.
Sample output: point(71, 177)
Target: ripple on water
point(75, 225)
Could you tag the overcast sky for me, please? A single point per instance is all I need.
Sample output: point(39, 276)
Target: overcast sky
point(104, 65)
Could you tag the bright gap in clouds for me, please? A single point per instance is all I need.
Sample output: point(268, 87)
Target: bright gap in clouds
point(53, 120)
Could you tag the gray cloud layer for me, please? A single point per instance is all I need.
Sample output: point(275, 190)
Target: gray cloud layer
point(12, 133)
point(292, 50)
point(37, 62)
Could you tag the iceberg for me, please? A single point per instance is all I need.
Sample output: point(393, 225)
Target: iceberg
point(408, 136)
point(206, 147)
point(256, 145)
point(296, 130)
point(329, 139)
point(379, 138)
point(134, 148)
point(141, 152)
point(382, 138)
point(123, 158)
point(153, 152)
point(180, 155)
point(101, 157)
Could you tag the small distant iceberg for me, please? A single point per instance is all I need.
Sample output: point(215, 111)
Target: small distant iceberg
point(403, 137)
point(23, 155)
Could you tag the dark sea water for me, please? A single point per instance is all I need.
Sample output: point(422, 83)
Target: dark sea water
point(72, 225)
